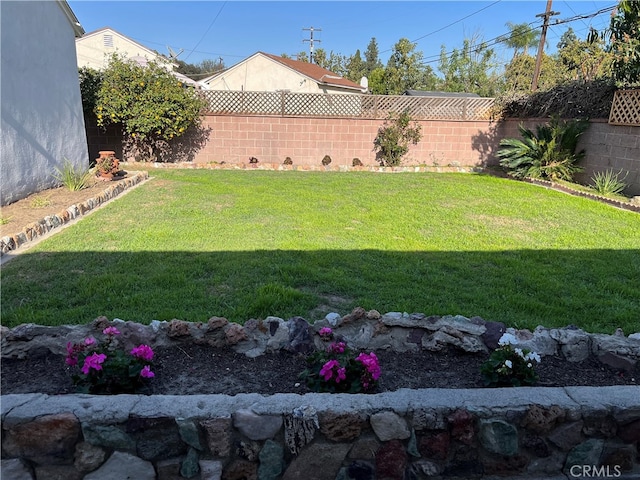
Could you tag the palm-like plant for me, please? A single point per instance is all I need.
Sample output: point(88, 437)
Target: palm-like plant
point(548, 153)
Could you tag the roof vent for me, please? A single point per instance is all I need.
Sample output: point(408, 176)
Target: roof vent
point(107, 41)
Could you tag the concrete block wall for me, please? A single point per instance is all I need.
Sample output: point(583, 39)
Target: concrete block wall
point(233, 139)
point(468, 144)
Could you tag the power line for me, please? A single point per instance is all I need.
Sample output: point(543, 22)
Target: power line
point(206, 31)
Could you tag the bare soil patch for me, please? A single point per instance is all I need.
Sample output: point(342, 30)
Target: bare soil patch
point(197, 369)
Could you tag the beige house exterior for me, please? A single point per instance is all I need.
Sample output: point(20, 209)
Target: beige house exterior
point(94, 49)
point(263, 72)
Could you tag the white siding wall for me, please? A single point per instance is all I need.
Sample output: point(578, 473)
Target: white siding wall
point(41, 120)
point(94, 50)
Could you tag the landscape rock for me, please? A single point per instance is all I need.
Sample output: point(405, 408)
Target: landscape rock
point(341, 427)
point(300, 336)
point(360, 470)
point(271, 461)
point(257, 427)
point(210, 469)
point(58, 472)
point(49, 439)
point(15, 469)
point(462, 426)
point(189, 432)
point(587, 453)
point(567, 435)
point(108, 436)
point(542, 420)
point(88, 457)
point(389, 426)
point(123, 465)
point(617, 361)
point(318, 461)
point(240, 470)
point(391, 460)
point(435, 445)
point(364, 448)
point(426, 468)
point(218, 434)
point(499, 437)
point(300, 428)
point(169, 469)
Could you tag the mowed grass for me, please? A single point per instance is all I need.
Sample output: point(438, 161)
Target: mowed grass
point(191, 244)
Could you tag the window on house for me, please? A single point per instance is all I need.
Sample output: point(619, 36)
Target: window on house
point(108, 41)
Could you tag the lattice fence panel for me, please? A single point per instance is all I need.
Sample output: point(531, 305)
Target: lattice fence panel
point(346, 105)
point(248, 103)
point(625, 109)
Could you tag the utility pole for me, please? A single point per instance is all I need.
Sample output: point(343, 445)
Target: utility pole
point(543, 38)
point(311, 40)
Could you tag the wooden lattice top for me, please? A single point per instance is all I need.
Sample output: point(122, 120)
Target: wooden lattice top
point(346, 105)
point(625, 109)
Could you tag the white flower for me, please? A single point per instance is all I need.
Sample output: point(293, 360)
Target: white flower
point(508, 364)
point(529, 365)
point(508, 339)
point(519, 352)
point(533, 356)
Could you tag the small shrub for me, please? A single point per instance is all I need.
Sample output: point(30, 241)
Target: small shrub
point(326, 160)
point(106, 368)
point(548, 153)
point(509, 365)
point(40, 202)
point(253, 160)
point(4, 220)
point(288, 161)
point(72, 178)
point(338, 370)
point(609, 183)
point(356, 162)
point(394, 137)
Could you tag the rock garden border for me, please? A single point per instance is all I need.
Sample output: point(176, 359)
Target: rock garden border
point(518, 433)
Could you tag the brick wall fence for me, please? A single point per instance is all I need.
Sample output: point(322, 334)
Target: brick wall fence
point(233, 139)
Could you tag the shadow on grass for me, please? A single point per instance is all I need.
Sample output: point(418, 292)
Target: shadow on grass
point(598, 290)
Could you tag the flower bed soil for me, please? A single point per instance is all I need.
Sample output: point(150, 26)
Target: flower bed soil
point(197, 369)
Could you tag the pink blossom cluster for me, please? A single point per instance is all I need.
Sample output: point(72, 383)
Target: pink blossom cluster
point(333, 368)
point(337, 347)
point(96, 360)
point(372, 367)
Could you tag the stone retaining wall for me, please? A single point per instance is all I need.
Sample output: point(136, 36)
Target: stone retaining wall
point(407, 434)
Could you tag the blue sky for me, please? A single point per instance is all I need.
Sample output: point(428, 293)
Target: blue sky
point(234, 30)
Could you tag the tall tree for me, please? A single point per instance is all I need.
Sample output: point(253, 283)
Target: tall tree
point(625, 42)
point(371, 59)
point(404, 69)
point(356, 68)
point(470, 69)
point(583, 59)
point(521, 38)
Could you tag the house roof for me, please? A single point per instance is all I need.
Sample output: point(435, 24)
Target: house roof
point(314, 72)
point(73, 20)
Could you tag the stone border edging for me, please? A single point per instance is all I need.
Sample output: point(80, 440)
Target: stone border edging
point(19, 408)
point(633, 207)
point(49, 223)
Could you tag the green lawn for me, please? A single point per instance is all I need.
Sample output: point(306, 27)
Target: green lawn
point(191, 244)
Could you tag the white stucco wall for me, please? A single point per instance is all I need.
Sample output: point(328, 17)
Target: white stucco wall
point(93, 53)
point(41, 109)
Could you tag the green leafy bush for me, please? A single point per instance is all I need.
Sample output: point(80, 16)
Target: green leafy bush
point(394, 137)
point(608, 183)
point(548, 153)
point(72, 178)
point(152, 106)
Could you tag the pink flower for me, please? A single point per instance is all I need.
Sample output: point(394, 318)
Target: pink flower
point(337, 347)
point(325, 332)
point(146, 372)
point(94, 361)
point(143, 352)
point(89, 341)
point(327, 369)
point(370, 362)
point(71, 359)
point(342, 374)
point(111, 331)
